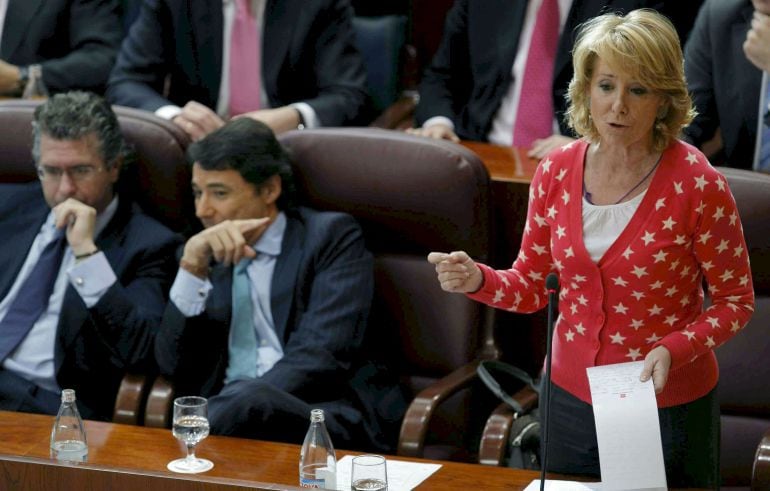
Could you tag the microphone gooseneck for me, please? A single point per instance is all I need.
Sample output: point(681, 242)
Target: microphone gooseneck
point(552, 286)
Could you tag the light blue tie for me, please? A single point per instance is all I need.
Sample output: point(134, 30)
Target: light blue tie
point(764, 127)
point(242, 345)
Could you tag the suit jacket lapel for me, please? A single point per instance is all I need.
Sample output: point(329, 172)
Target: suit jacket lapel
point(509, 21)
point(208, 29)
point(750, 93)
point(285, 275)
point(17, 17)
point(25, 228)
point(278, 23)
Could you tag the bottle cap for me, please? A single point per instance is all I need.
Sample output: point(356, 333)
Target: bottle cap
point(316, 415)
point(68, 395)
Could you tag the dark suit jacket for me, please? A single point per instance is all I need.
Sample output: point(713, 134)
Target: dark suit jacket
point(724, 84)
point(471, 71)
point(76, 41)
point(308, 56)
point(95, 347)
point(321, 293)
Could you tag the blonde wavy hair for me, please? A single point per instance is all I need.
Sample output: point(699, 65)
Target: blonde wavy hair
point(644, 45)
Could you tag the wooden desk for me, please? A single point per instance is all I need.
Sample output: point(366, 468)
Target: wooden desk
point(505, 164)
point(134, 458)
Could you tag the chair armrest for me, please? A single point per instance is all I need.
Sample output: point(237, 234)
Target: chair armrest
point(130, 399)
point(497, 431)
point(760, 474)
point(411, 440)
point(399, 115)
point(159, 404)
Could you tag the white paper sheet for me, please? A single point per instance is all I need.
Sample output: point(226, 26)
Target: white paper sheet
point(402, 476)
point(553, 485)
point(627, 428)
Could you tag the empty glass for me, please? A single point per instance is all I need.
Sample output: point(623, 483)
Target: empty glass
point(369, 473)
point(190, 425)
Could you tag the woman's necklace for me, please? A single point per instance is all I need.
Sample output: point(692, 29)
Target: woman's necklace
point(587, 195)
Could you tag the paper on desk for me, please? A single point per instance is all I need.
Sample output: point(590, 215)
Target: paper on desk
point(554, 485)
point(402, 476)
point(627, 428)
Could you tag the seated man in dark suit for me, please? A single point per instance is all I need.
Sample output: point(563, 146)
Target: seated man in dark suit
point(75, 42)
point(284, 62)
point(275, 326)
point(83, 273)
point(724, 63)
point(503, 68)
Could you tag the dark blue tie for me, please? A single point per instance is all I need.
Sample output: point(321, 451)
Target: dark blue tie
point(32, 299)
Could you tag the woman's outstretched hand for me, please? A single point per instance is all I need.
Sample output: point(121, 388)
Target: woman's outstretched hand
point(456, 271)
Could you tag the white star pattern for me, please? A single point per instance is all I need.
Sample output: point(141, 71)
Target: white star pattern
point(703, 238)
point(546, 164)
point(744, 280)
point(656, 285)
point(541, 221)
point(627, 253)
point(552, 211)
point(700, 208)
point(568, 252)
point(734, 218)
point(620, 308)
point(499, 294)
point(654, 310)
point(617, 338)
point(540, 191)
point(565, 197)
point(569, 335)
point(639, 272)
point(735, 326)
point(636, 324)
point(722, 247)
point(579, 278)
point(582, 300)
point(690, 335)
point(580, 329)
point(685, 271)
point(637, 295)
point(673, 265)
point(653, 339)
point(634, 354)
point(648, 237)
point(691, 158)
point(727, 275)
point(685, 301)
point(713, 321)
point(558, 264)
point(660, 204)
point(678, 188)
point(710, 342)
point(560, 232)
point(573, 308)
point(707, 265)
point(680, 240)
point(719, 213)
point(620, 281)
point(660, 256)
point(561, 175)
point(721, 183)
point(700, 182)
point(535, 276)
point(538, 249)
point(506, 281)
point(738, 251)
point(671, 320)
point(669, 223)
point(671, 291)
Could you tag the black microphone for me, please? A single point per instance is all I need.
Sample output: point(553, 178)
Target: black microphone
point(552, 285)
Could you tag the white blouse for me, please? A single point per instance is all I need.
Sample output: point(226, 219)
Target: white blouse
point(602, 225)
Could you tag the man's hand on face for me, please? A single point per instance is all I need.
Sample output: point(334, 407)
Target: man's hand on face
point(226, 242)
point(80, 220)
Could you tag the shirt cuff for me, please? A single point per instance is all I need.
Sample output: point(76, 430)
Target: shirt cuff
point(439, 120)
point(189, 293)
point(309, 117)
point(168, 112)
point(91, 278)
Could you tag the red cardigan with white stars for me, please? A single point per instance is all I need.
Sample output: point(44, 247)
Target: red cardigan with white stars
point(646, 290)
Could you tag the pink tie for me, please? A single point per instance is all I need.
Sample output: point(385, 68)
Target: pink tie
point(534, 117)
point(244, 61)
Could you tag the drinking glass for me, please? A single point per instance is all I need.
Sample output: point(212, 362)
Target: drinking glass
point(369, 473)
point(190, 426)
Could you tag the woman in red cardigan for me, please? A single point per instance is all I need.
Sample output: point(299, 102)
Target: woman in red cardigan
point(632, 220)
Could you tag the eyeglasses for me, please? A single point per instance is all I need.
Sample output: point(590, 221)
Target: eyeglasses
point(78, 173)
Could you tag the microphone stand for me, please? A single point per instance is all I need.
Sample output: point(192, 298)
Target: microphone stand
point(552, 285)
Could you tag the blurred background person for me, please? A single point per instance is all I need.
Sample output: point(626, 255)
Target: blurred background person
point(502, 69)
point(75, 43)
point(283, 62)
point(83, 272)
point(640, 220)
point(727, 60)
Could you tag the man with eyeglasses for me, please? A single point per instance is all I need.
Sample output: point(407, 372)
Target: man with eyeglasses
point(83, 273)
